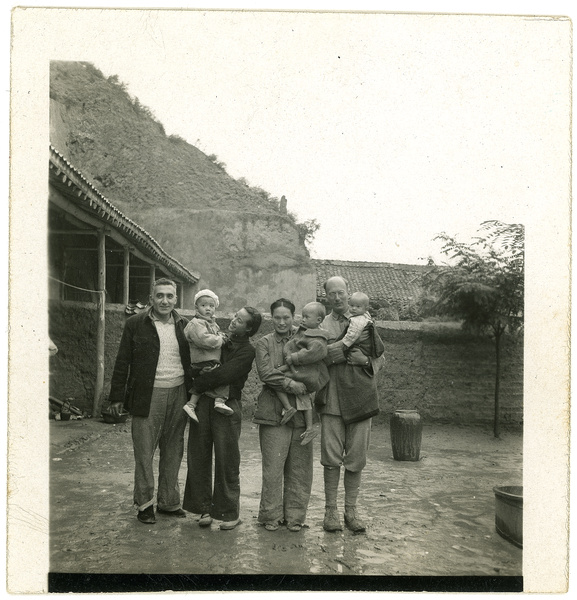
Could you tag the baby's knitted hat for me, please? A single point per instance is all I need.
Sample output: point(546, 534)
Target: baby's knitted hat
point(208, 293)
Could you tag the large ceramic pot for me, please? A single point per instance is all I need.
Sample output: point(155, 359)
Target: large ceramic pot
point(406, 434)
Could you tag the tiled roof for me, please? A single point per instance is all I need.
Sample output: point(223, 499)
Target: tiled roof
point(91, 200)
point(386, 284)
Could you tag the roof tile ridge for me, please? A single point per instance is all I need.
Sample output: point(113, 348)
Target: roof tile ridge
point(363, 263)
point(146, 235)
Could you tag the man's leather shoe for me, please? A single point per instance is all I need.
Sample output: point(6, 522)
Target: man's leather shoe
point(352, 520)
point(147, 515)
point(173, 513)
point(331, 521)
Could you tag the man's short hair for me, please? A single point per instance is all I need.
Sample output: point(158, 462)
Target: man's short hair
point(334, 277)
point(163, 281)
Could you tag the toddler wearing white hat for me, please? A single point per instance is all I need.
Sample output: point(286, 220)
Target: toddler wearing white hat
point(205, 340)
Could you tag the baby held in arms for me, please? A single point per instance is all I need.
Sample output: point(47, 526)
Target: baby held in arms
point(205, 340)
point(357, 331)
point(304, 357)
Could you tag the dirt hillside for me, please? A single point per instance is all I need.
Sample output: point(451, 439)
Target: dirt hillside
point(235, 236)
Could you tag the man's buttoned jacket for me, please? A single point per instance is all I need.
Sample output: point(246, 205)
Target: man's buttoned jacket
point(137, 359)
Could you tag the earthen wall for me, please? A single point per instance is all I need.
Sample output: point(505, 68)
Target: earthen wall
point(439, 370)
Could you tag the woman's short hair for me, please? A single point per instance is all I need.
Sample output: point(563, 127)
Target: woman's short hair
point(284, 303)
point(255, 320)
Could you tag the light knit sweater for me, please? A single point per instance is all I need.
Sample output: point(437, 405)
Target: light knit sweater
point(169, 371)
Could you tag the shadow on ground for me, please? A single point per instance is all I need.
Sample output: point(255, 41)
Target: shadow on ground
point(432, 517)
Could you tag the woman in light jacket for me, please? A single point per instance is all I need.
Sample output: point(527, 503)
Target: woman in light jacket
point(287, 466)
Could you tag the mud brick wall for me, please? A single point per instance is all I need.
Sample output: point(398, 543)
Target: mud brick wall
point(72, 327)
point(449, 375)
point(443, 372)
point(439, 370)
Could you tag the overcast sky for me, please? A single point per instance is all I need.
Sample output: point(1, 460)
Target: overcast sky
point(387, 129)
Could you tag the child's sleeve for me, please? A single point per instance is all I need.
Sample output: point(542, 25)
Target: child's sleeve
point(354, 330)
point(197, 333)
point(315, 351)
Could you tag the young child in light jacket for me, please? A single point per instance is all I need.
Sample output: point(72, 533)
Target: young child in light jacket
point(357, 332)
point(205, 340)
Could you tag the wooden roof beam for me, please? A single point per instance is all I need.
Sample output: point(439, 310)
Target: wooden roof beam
point(81, 216)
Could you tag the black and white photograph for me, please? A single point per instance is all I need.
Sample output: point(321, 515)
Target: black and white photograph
point(289, 301)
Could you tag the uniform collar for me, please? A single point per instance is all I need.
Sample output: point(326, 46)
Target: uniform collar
point(280, 338)
point(345, 316)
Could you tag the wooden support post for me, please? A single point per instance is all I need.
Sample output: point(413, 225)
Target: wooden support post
point(100, 326)
point(152, 277)
point(126, 273)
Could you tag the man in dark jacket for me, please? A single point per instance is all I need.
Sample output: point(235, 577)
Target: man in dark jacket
point(150, 379)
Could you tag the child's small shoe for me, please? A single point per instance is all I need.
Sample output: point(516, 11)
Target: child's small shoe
point(308, 436)
point(189, 410)
point(288, 414)
point(221, 407)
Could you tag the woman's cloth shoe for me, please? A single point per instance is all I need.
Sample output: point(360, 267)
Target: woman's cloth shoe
point(226, 525)
point(147, 515)
point(308, 436)
point(288, 414)
point(294, 526)
point(173, 513)
point(331, 521)
point(190, 412)
point(222, 408)
point(273, 526)
point(352, 520)
point(205, 520)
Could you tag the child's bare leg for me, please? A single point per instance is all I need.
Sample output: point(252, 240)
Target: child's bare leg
point(190, 407)
point(310, 434)
point(288, 411)
point(283, 397)
point(308, 414)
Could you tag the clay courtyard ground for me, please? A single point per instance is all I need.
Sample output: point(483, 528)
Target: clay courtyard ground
point(434, 517)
